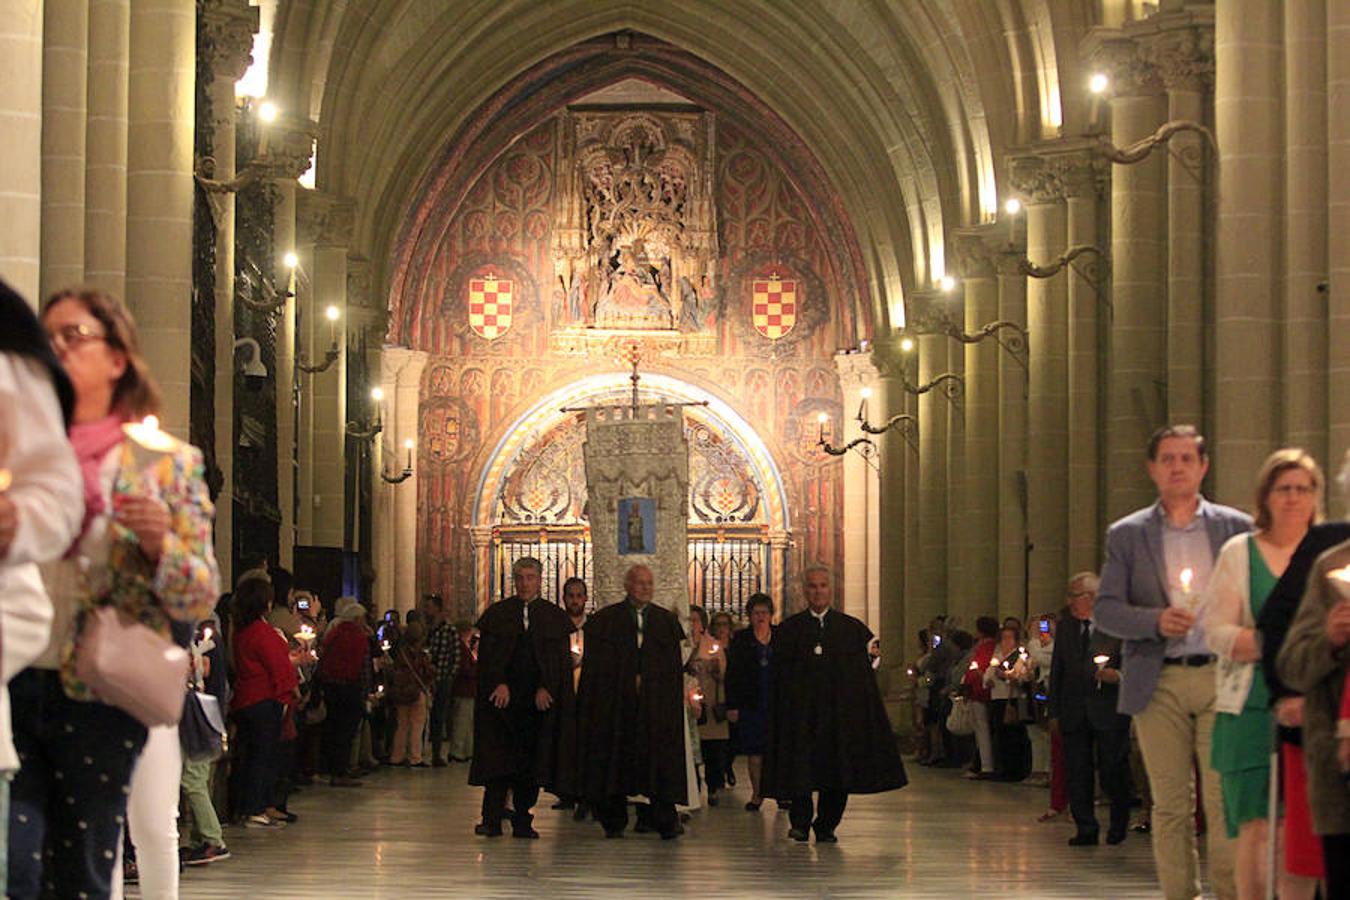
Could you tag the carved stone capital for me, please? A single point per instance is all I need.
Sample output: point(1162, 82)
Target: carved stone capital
point(324, 220)
point(1083, 173)
point(926, 312)
point(1118, 55)
point(287, 148)
point(230, 26)
point(972, 251)
point(1184, 57)
point(856, 369)
point(1035, 179)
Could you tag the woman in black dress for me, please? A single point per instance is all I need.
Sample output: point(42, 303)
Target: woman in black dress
point(749, 676)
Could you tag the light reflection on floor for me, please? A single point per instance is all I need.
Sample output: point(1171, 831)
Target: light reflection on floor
point(409, 834)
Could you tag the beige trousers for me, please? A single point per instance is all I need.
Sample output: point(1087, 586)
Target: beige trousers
point(411, 718)
point(1175, 731)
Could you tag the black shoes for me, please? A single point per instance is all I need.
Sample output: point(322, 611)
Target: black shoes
point(1083, 840)
point(485, 830)
point(826, 837)
point(525, 832)
point(613, 835)
point(1116, 837)
point(799, 834)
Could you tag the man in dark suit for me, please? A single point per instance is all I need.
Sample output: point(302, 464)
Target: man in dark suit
point(1083, 692)
point(1158, 562)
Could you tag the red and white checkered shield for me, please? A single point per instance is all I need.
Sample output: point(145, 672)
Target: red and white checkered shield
point(774, 307)
point(490, 306)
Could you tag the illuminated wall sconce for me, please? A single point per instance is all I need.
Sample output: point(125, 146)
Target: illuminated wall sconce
point(407, 469)
point(331, 354)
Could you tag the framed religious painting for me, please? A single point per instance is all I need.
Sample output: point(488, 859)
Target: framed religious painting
point(637, 526)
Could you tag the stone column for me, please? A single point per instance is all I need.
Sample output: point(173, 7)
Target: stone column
point(105, 174)
point(21, 124)
point(327, 225)
point(1086, 301)
point(955, 410)
point(889, 398)
point(1047, 473)
point(283, 242)
point(65, 59)
point(383, 533)
point(1138, 337)
point(1185, 60)
point(860, 580)
point(407, 406)
point(1249, 121)
point(480, 536)
point(160, 193)
point(1012, 439)
point(978, 594)
point(931, 561)
point(1304, 385)
point(229, 36)
point(1338, 248)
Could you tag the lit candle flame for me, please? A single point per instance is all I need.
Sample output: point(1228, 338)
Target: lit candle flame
point(974, 666)
point(1187, 576)
point(6, 479)
point(1101, 659)
point(696, 696)
point(147, 434)
point(716, 647)
point(1341, 574)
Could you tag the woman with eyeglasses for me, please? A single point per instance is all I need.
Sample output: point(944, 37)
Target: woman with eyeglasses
point(1288, 503)
point(144, 548)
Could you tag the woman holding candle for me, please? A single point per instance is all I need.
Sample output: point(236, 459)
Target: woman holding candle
point(1005, 676)
point(723, 626)
point(749, 677)
point(708, 664)
point(1288, 502)
point(145, 548)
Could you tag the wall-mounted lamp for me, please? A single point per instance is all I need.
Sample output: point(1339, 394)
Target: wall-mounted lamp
point(331, 354)
point(407, 469)
point(362, 431)
point(1139, 150)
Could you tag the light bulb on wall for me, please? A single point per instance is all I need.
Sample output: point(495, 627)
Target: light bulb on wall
point(947, 284)
point(267, 111)
point(907, 344)
point(1098, 83)
point(1012, 206)
point(377, 394)
point(291, 259)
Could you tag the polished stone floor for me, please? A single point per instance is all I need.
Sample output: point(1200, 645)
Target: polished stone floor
point(408, 833)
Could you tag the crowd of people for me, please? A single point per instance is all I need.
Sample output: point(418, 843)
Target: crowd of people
point(1204, 662)
point(1211, 643)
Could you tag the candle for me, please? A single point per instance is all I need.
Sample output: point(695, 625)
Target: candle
point(576, 644)
point(206, 633)
point(385, 645)
point(974, 666)
point(1340, 579)
point(715, 648)
point(1101, 659)
point(147, 434)
point(820, 426)
point(865, 394)
point(331, 313)
point(408, 445)
point(1187, 576)
point(6, 479)
point(305, 633)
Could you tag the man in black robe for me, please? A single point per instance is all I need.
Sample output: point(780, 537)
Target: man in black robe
point(523, 712)
point(828, 729)
point(632, 710)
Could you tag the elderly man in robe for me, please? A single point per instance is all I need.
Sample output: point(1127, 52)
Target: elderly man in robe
point(632, 710)
point(523, 715)
point(828, 730)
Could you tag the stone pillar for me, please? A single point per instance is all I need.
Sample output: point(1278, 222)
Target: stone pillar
point(283, 242)
point(955, 410)
point(1249, 120)
point(978, 594)
point(1338, 248)
point(65, 59)
point(105, 174)
point(21, 124)
point(326, 225)
point(160, 193)
point(407, 401)
point(1086, 301)
point(1304, 386)
point(931, 561)
point(480, 536)
point(1136, 396)
point(229, 36)
point(860, 581)
point(889, 398)
point(384, 458)
point(1047, 473)
point(1012, 439)
point(1185, 60)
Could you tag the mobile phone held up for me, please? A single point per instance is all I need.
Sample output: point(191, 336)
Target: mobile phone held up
point(1044, 626)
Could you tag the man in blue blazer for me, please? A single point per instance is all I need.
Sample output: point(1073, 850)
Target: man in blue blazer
point(1158, 562)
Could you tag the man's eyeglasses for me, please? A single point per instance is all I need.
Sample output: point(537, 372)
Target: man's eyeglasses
point(68, 337)
point(1292, 490)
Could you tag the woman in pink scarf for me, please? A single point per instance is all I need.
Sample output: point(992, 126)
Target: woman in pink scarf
point(145, 547)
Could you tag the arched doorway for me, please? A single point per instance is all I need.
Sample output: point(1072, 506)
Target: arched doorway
point(531, 497)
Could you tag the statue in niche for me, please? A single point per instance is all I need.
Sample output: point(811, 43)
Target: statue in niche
point(635, 236)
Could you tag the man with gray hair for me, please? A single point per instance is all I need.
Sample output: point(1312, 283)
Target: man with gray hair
point(523, 712)
point(1084, 689)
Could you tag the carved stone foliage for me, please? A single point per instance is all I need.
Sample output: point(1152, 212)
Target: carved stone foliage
point(1184, 57)
point(228, 27)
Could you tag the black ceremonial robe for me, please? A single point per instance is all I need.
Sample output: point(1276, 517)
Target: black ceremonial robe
point(519, 739)
point(828, 729)
point(632, 716)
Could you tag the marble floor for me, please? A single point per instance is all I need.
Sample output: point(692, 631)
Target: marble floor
point(408, 833)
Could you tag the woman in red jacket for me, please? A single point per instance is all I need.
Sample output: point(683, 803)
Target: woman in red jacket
point(973, 686)
point(342, 664)
point(265, 682)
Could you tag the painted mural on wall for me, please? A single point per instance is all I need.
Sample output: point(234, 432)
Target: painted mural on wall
point(598, 230)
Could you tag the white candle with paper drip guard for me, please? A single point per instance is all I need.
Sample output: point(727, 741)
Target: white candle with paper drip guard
point(1188, 599)
point(149, 445)
point(575, 638)
point(1340, 579)
point(1101, 659)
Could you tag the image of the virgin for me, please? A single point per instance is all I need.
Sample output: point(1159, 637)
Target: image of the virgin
point(634, 516)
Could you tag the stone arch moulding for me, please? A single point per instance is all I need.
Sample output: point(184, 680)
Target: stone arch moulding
point(546, 413)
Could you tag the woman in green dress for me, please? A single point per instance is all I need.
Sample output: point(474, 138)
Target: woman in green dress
point(1288, 501)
